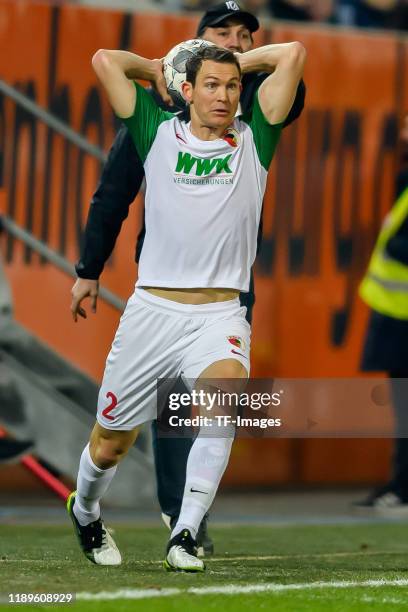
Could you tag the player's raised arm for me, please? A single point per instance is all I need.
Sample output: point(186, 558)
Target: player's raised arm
point(277, 92)
point(117, 69)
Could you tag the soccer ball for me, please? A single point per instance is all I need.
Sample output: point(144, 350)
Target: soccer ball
point(174, 66)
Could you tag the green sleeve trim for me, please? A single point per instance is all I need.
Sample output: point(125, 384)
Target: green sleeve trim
point(145, 121)
point(266, 136)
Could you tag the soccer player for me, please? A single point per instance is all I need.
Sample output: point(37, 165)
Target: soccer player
point(205, 184)
point(226, 25)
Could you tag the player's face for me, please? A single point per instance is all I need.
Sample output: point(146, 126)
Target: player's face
point(232, 36)
point(215, 95)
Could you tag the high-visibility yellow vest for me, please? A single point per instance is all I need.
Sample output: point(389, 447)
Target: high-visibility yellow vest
point(385, 285)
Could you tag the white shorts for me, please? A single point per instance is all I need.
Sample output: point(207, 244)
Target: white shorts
point(159, 338)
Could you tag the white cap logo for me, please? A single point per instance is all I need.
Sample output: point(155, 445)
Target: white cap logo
point(232, 6)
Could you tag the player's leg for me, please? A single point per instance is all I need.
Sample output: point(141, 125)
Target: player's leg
point(209, 453)
point(127, 399)
point(97, 467)
point(170, 458)
point(206, 464)
point(217, 353)
point(171, 455)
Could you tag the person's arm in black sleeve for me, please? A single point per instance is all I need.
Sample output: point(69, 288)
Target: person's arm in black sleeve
point(120, 182)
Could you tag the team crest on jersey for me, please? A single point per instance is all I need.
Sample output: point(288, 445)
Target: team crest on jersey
point(236, 341)
point(232, 137)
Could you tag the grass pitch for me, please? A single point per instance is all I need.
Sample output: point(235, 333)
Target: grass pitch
point(305, 568)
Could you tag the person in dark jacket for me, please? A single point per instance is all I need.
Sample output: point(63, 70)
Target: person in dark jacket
point(386, 349)
point(227, 25)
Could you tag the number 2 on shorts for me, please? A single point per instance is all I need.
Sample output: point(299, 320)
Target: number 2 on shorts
point(112, 405)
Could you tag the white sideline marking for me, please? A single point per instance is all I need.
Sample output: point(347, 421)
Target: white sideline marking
point(384, 600)
point(354, 553)
point(235, 589)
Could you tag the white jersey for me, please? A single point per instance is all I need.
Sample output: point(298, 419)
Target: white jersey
point(203, 198)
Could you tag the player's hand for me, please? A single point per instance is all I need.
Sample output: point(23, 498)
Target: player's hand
point(159, 82)
point(83, 288)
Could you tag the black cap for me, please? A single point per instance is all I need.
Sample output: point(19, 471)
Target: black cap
point(220, 12)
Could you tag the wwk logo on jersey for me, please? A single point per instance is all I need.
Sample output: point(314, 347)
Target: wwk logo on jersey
point(187, 164)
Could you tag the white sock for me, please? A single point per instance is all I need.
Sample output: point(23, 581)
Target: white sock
point(206, 464)
point(92, 483)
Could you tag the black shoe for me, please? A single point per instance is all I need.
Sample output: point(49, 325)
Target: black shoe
point(181, 554)
point(384, 502)
point(13, 450)
point(205, 545)
point(95, 541)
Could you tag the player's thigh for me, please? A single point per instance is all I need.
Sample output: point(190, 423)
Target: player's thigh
point(221, 350)
point(143, 351)
point(229, 369)
point(223, 382)
point(218, 362)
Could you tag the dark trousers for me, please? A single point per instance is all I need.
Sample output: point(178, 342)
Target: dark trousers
point(171, 454)
point(170, 458)
point(399, 392)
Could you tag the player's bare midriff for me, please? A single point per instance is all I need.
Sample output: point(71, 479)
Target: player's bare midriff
point(194, 296)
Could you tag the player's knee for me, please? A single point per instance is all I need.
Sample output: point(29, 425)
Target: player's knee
point(235, 369)
point(228, 369)
point(232, 369)
point(107, 453)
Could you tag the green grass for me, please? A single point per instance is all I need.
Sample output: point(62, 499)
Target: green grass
point(47, 559)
